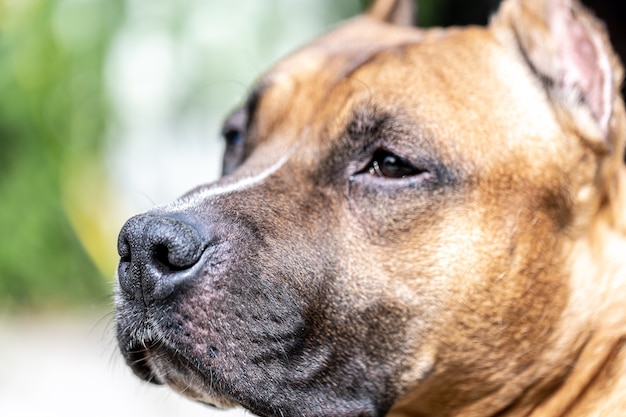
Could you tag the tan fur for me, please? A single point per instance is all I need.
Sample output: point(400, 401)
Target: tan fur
point(583, 340)
point(497, 290)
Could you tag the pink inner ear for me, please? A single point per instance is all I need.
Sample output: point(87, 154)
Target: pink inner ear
point(584, 63)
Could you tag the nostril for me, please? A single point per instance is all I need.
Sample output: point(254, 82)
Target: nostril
point(162, 258)
point(173, 245)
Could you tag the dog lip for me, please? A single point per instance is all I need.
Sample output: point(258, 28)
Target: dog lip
point(138, 359)
point(147, 358)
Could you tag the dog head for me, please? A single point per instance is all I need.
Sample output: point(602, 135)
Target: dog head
point(395, 226)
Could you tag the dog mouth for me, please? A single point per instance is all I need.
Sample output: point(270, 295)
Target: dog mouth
point(154, 361)
point(138, 358)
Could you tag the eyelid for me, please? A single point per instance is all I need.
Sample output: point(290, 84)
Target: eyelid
point(235, 122)
point(241, 119)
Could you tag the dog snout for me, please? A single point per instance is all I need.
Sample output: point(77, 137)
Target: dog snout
point(158, 254)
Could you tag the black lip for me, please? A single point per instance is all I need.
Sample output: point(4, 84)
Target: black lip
point(137, 357)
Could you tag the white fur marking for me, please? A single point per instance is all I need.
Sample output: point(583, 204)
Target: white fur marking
point(239, 185)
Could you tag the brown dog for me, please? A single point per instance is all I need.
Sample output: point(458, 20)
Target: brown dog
point(412, 223)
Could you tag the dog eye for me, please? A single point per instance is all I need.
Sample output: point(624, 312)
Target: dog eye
point(234, 128)
point(234, 134)
point(233, 137)
point(385, 164)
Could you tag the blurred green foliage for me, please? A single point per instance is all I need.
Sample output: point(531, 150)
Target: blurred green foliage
point(52, 114)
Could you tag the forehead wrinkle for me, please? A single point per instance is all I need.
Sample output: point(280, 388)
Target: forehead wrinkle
point(345, 84)
point(373, 123)
point(361, 60)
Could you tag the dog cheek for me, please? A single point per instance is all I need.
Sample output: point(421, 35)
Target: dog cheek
point(502, 323)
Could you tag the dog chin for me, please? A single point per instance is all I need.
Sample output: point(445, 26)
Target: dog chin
point(212, 400)
point(190, 391)
point(155, 363)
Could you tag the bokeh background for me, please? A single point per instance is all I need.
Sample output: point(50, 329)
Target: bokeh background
point(108, 108)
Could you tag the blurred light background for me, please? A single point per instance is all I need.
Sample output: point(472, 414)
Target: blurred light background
point(108, 108)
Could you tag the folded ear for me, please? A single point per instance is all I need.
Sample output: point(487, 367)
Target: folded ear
point(569, 50)
point(396, 12)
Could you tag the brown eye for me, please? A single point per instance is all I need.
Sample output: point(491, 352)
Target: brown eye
point(385, 164)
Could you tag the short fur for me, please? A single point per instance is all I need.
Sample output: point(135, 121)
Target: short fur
point(478, 272)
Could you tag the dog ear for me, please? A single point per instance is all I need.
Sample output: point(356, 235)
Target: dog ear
point(396, 12)
point(569, 50)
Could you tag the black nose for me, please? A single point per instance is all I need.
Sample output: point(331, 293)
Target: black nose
point(157, 254)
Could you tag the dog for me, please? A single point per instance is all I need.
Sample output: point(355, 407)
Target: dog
point(411, 222)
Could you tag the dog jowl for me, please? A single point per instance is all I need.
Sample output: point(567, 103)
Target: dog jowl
point(410, 223)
